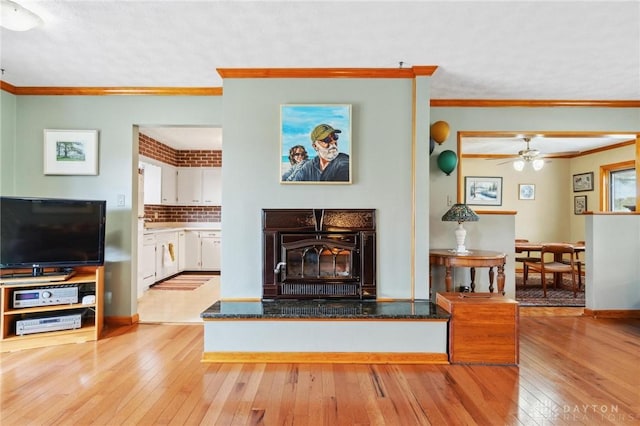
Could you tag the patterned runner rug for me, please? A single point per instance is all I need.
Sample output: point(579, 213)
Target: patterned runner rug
point(185, 282)
point(531, 295)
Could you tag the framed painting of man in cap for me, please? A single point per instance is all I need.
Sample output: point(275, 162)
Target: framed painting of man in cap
point(315, 144)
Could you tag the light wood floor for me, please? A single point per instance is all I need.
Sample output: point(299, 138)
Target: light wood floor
point(178, 306)
point(573, 371)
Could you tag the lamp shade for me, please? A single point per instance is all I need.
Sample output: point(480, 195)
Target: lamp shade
point(447, 161)
point(440, 131)
point(460, 213)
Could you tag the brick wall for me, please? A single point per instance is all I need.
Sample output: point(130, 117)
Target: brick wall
point(152, 148)
point(187, 214)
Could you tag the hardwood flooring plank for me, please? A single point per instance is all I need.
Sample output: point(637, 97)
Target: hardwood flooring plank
point(573, 371)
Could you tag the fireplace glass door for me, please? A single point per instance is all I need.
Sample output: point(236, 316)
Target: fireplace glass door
point(321, 258)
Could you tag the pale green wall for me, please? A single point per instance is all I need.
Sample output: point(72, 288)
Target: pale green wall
point(7, 136)
point(114, 117)
point(531, 120)
point(381, 160)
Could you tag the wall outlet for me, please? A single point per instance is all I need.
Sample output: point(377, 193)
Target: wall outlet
point(155, 215)
point(121, 200)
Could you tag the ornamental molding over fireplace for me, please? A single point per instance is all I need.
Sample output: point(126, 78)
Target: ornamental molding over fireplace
point(319, 253)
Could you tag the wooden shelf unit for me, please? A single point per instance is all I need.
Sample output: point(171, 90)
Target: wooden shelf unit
point(90, 330)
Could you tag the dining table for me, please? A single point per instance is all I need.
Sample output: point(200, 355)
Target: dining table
point(528, 247)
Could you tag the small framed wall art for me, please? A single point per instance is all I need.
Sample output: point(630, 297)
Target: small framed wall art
point(583, 182)
point(70, 152)
point(579, 204)
point(483, 191)
point(526, 191)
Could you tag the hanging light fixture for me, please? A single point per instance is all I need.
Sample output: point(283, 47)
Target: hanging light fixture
point(518, 165)
point(528, 155)
point(17, 18)
point(537, 164)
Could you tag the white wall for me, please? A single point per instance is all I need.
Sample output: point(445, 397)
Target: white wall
point(613, 280)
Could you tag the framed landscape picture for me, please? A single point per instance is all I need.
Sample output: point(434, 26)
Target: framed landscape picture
point(70, 152)
point(315, 144)
point(483, 191)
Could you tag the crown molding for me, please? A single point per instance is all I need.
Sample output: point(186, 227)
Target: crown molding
point(110, 91)
point(326, 72)
point(312, 73)
point(533, 103)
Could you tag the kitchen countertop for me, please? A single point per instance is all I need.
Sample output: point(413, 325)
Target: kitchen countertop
point(324, 309)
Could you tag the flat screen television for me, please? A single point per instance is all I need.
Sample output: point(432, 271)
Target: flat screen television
point(58, 234)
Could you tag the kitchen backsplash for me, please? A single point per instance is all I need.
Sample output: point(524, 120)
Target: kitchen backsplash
point(152, 148)
point(186, 214)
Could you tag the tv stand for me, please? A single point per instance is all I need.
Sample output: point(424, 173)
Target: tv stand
point(88, 280)
point(44, 277)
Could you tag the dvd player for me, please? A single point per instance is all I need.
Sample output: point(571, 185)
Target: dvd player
point(40, 325)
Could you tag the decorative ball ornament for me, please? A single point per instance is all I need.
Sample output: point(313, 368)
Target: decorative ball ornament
point(440, 131)
point(432, 146)
point(447, 161)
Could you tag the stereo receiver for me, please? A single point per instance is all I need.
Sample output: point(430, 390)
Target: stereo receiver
point(59, 295)
point(40, 325)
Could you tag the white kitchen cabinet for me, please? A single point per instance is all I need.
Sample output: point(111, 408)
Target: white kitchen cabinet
point(199, 186)
point(210, 243)
point(212, 186)
point(169, 184)
point(182, 251)
point(166, 254)
point(152, 183)
point(202, 250)
point(147, 263)
point(189, 186)
point(192, 251)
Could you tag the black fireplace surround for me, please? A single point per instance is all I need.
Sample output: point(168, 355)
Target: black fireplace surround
point(319, 254)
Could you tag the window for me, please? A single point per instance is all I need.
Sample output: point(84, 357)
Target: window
point(618, 187)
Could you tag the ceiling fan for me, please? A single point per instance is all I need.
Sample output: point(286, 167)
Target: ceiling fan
point(528, 155)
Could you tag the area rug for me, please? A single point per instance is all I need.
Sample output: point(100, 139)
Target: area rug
point(532, 294)
point(185, 282)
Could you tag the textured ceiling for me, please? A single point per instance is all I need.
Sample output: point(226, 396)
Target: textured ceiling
point(566, 50)
point(579, 50)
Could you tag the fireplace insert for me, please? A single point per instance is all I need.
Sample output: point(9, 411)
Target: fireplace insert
point(319, 254)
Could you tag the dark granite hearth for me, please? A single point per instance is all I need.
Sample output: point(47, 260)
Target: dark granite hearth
point(324, 309)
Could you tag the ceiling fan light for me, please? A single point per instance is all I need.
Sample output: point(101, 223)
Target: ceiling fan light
point(518, 165)
point(18, 18)
point(538, 164)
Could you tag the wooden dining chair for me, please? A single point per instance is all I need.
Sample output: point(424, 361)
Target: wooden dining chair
point(563, 262)
point(580, 264)
point(525, 257)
